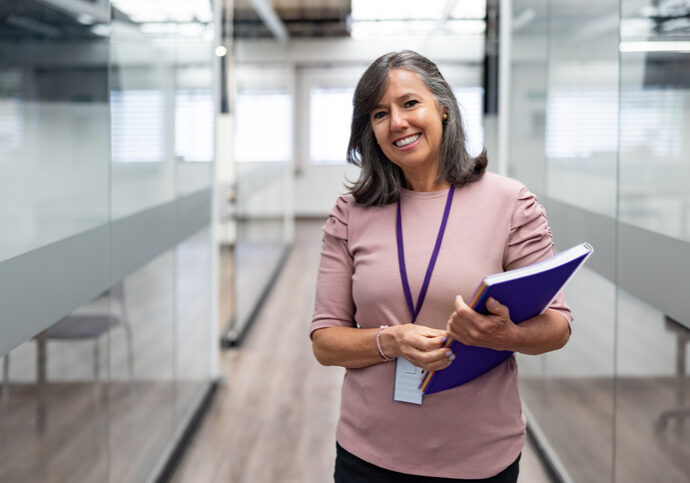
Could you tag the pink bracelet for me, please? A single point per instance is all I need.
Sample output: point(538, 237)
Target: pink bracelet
point(378, 343)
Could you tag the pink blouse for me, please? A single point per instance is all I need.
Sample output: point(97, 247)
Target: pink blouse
point(472, 431)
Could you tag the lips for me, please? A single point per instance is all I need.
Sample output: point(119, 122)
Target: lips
point(407, 140)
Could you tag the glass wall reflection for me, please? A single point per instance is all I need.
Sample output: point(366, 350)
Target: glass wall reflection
point(582, 105)
point(652, 435)
point(528, 93)
point(564, 111)
point(193, 304)
point(263, 155)
point(107, 127)
point(142, 411)
point(54, 177)
point(54, 412)
point(57, 187)
point(612, 405)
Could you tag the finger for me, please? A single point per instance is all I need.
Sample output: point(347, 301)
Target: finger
point(457, 335)
point(437, 366)
point(428, 331)
point(497, 308)
point(435, 360)
point(427, 344)
point(445, 360)
point(460, 302)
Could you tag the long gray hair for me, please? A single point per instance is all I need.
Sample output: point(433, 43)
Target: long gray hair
point(380, 180)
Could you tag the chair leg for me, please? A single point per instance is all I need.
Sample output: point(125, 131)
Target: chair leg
point(5, 389)
point(41, 381)
point(96, 374)
point(130, 357)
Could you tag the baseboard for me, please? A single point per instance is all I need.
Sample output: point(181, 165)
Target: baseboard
point(552, 463)
point(234, 337)
point(183, 436)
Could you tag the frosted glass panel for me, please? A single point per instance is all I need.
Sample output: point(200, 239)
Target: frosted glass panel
point(655, 152)
point(582, 104)
point(194, 118)
point(143, 164)
point(563, 144)
point(527, 112)
point(654, 195)
point(137, 126)
point(54, 139)
point(194, 124)
point(107, 119)
point(263, 207)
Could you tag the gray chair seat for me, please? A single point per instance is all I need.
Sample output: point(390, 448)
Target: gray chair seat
point(81, 326)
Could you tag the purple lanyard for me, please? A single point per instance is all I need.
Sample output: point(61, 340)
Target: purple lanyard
point(414, 312)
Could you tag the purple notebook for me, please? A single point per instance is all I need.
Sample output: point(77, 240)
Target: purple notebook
point(527, 292)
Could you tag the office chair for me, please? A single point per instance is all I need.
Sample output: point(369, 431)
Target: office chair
point(681, 410)
point(79, 326)
point(4, 397)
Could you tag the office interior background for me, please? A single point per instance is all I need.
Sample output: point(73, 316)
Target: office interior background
point(150, 151)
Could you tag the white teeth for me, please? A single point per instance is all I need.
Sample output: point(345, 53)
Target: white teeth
point(407, 140)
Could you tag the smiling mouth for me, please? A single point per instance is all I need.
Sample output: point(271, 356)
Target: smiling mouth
point(407, 140)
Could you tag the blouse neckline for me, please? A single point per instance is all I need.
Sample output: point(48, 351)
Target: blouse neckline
point(407, 193)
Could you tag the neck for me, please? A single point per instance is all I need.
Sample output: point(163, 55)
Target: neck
point(427, 184)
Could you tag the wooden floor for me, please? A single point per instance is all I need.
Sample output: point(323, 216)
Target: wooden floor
point(273, 419)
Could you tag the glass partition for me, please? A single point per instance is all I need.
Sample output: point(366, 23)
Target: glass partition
point(654, 198)
point(58, 187)
point(107, 128)
point(142, 403)
point(582, 105)
point(528, 76)
point(54, 203)
point(581, 156)
point(263, 153)
point(610, 82)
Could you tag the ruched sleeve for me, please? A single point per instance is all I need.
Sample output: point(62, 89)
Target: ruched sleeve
point(336, 226)
point(530, 240)
point(334, 306)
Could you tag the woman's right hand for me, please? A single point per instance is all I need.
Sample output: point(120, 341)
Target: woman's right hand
point(422, 346)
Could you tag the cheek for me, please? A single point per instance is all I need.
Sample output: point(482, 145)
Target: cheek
point(378, 134)
point(436, 130)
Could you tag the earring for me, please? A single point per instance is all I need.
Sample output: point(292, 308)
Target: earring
point(445, 116)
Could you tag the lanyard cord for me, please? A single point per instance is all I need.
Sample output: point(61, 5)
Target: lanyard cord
point(414, 311)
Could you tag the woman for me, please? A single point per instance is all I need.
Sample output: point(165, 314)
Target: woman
point(381, 246)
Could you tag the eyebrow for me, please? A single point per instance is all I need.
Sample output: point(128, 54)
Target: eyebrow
point(405, 96)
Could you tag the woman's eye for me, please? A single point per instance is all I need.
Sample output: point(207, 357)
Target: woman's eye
point(411, 103)
point(379, 114)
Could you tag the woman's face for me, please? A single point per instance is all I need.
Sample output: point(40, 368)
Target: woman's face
point(407, 123)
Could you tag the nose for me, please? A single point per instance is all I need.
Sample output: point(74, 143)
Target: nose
point(398, 120)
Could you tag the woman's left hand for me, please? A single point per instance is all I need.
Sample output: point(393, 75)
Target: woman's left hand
point(495, 331)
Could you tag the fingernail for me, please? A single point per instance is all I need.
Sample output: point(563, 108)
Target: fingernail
point(449, 353)
point(445, 339)
point(452, 358)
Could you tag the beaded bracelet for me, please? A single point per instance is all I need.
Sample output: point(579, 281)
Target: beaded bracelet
point(378, 343)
